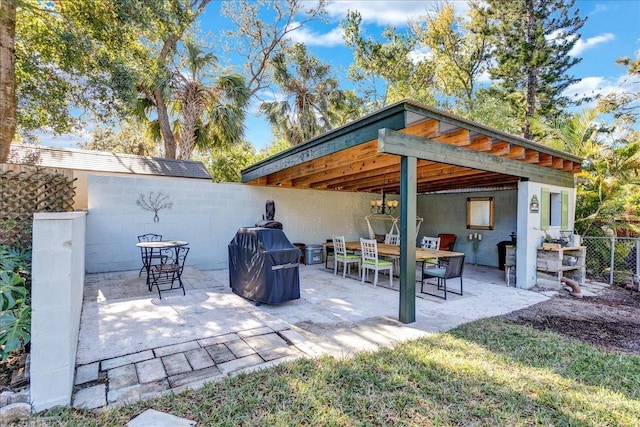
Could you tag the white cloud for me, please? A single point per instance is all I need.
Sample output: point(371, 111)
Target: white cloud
point(420, 54)
point(582, 44)
point(592, 86)
point(395, 13)
point(311, 38)
point(484, 77)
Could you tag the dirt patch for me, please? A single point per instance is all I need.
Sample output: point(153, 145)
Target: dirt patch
point(13, 372)
point(610, 321)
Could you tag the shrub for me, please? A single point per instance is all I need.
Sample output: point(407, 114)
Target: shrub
point(15, 309)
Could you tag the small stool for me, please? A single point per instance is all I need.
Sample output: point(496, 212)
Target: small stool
point(507, 273)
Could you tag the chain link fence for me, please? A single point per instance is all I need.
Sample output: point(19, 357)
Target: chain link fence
point(613, 260)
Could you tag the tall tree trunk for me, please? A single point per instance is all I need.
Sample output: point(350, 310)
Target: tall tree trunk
point(165, 124)
point(532, 77)
point(7, 77)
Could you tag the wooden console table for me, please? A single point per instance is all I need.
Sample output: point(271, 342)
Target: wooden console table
point(553, 265)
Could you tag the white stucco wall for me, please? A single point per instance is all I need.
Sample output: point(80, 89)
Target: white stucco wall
point(81, 199)
point(207, 215)
point(56, 301)
point(530, 235)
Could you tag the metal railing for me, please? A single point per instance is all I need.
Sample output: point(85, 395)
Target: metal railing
point(612, 259)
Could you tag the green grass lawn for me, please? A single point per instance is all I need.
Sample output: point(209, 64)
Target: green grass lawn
point(486, 373)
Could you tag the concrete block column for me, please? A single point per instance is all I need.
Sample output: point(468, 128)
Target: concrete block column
point(56, 296)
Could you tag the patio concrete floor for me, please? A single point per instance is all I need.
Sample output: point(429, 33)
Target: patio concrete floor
point(134, 346)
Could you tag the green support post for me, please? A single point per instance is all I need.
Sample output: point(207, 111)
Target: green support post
point(408, 202)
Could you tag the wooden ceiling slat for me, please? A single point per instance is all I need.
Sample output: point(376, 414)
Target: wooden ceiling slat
point(557, 163)
point(500, 148)
point(545, 160)
point(428, 128)
point(532, 156)
point(458, 137)
point(480, 143)
point(516, 152)
point(341, 173)
point(567, 166)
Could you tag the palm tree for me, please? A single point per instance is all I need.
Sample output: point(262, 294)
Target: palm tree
point(609, 171)
point(312, 97)
point(208, 116)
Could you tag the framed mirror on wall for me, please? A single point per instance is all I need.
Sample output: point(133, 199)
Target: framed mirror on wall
point(480, 213)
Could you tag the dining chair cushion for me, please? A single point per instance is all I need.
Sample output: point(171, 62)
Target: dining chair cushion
point(348, 256)
point(435, 272)
point(381, 262)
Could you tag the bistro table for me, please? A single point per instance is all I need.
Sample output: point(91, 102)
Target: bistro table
point(150, 247)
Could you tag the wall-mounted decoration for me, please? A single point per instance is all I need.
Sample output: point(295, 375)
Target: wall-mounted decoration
point(534, 206)
point(154, 203)
point(480, 213)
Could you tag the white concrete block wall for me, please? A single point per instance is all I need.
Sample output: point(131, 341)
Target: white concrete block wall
point(56, 295)
point(207, 215)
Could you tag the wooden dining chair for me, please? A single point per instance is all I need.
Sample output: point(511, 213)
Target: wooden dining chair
point(371, 261)
point(341, 256)
point(430, 243)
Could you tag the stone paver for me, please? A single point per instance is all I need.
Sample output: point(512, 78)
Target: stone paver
point(220, 339)
point(105, 365)
point(294, 337)
point(240, 348)
point(229, 335)
point(122, 376)
point(91, 397)
point(280, 352)
point(87, 373)
point(151, 417)
point(189, 377)
point(177, 348)
point(154, 388)
point(266, 342)
point(254, 332)
point(243, 362)
point(176, 364)
point(150, 370)
point(220, 353)
point(199, 358)
point(124, 395)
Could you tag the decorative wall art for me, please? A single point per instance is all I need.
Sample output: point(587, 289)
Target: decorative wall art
point(154, 203)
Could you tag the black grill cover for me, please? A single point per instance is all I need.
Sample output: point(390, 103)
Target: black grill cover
point(263, 266)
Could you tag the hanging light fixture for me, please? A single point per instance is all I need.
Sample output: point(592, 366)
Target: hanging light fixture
point(383, 206)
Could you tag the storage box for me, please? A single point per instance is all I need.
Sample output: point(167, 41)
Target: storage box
point(313, 254)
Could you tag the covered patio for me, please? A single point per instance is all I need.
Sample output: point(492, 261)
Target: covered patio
point(133, 346)
point(409, 149)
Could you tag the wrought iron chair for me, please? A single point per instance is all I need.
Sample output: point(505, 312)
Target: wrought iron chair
point(370, 261)
point(341, 256)
point(449, 268)
point(146, 254)
point(169, 270)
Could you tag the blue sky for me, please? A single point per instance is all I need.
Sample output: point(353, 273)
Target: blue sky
point(612, 30)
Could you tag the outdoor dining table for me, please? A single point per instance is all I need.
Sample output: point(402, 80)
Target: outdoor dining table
point(394, 250)
point(149, 249)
